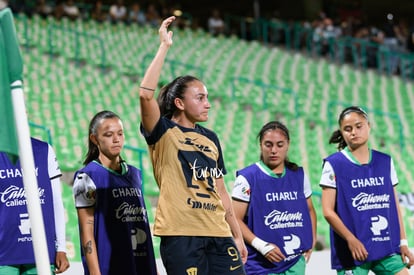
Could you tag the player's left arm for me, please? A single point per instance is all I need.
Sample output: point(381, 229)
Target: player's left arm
point(312, 214)
point(406, 255)
point(61, 260)
point(307, 192)
point(231, 218)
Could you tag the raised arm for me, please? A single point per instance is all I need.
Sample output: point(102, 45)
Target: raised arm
point(150, 112)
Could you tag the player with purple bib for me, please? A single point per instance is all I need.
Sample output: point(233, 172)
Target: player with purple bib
point(272, 202)
point(114, 227)
point(360, 203)
point(16, 247)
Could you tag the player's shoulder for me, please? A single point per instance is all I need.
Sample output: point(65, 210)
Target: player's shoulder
point(206, 132)
point(379, 153)
point(37, 143)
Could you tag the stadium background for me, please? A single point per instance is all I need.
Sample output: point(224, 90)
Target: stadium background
point(75, 68)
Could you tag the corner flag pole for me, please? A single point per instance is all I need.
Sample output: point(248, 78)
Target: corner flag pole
point(15, 70)
point(30, 181)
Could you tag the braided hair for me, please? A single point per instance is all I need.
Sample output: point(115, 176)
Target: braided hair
point(171, 91)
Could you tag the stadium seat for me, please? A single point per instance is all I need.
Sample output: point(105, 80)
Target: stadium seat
point(63, 94)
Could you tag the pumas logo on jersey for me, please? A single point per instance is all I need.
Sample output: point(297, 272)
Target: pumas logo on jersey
point(192, 271)
point(200, 172)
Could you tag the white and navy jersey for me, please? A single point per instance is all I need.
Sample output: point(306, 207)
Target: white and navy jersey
point(365, 202)
point(122, 234)
point(16, 245)
point(277, 213)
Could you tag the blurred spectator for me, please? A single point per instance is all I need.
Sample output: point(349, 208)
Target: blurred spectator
point(137, 15)
point(376, 35)
point(43, 8)
point(324, 33)
point(118, 12)
point(391, 42)
point(216, 23)
point(152, 15)
point(97, 13)
point(373, 37)
point(3, 4)
point(70, 10)
point(410, 40)
point(67, 9)
point(403, 33)
point(350, 25)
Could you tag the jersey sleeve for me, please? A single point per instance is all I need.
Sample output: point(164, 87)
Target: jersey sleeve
point(328, 176)
point(59, 212)
point(52, 164)
point(307, 190)
point(84, 191)
point(241, 189)
point(394, 178)
point(59, 215)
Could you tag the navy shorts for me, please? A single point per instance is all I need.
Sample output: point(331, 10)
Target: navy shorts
point(190, 255)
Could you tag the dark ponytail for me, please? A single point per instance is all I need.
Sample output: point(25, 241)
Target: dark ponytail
point(171, 91)
point(337, 137)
